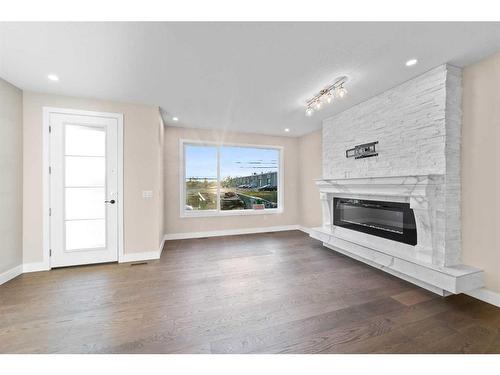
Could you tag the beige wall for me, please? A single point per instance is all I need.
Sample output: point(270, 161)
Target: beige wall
point(174, 224)
point(142, 151)
point(11, 162)
point(481, 169)
point(310, 147)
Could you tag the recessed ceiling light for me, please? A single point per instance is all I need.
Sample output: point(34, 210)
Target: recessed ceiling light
point(411, 62)
point(287, 130)
point(175, 119)
point(53, 77)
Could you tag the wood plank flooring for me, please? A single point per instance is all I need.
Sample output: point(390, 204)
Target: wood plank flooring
point(264, 293)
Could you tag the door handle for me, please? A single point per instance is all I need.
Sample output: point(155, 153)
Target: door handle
point(112, 201)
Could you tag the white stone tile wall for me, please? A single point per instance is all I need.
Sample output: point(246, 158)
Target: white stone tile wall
point(452, 175)
point(408, 121)
point(418, 127)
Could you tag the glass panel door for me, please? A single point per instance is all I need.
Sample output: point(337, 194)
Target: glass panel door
point(84, 195)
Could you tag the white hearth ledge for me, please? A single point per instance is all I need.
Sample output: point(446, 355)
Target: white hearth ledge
point(440, 280)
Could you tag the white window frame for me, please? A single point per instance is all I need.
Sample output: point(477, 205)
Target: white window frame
point(218, 212)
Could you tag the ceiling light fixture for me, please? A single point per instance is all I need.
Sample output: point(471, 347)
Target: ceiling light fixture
point(175, 119)
point(53, 77)
point(327, 95)
point(287, 130)
point(341, 91)
point(411, 62)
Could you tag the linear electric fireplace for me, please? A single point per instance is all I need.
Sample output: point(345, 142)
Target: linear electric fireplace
point(392, 220)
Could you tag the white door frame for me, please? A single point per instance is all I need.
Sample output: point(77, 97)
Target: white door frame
point(47, 111)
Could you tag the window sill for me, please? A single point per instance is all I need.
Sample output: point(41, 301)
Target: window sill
point(270, 211)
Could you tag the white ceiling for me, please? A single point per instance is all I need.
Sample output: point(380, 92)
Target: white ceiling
point(251, 77)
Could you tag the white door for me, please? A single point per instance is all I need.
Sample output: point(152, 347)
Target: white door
point(83, 189)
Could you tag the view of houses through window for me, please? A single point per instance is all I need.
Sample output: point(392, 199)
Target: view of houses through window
point(231, 177)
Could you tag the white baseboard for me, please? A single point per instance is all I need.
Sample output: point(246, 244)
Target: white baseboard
point(486, 295)
point(162, 244)
point(304, 229)
point(35, 267)
point(144, 255)
point(228, 232)
point(10, 274)
point(130, 257)
point(140, 256)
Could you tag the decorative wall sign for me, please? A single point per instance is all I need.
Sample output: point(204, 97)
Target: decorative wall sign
point(365, 150)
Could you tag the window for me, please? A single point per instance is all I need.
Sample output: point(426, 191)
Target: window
point(201, 177)
point(219, 180)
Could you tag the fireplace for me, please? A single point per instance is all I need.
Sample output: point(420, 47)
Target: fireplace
point(391, 220)
point(399, 211)
point(397, 224)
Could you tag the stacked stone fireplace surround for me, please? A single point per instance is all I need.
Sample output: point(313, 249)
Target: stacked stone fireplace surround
point(418, 128)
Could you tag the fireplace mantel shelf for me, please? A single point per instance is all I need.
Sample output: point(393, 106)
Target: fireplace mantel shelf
point(402, 186)
point(427, 179)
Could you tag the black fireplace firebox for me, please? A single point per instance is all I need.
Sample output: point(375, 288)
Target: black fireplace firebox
point(392, 220)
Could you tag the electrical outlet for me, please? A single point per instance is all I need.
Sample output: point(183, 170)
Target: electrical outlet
point(147, 194)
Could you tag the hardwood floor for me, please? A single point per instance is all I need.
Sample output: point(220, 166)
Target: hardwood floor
point(265, 293)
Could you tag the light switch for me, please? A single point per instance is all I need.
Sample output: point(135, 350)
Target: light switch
point(147, 194)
